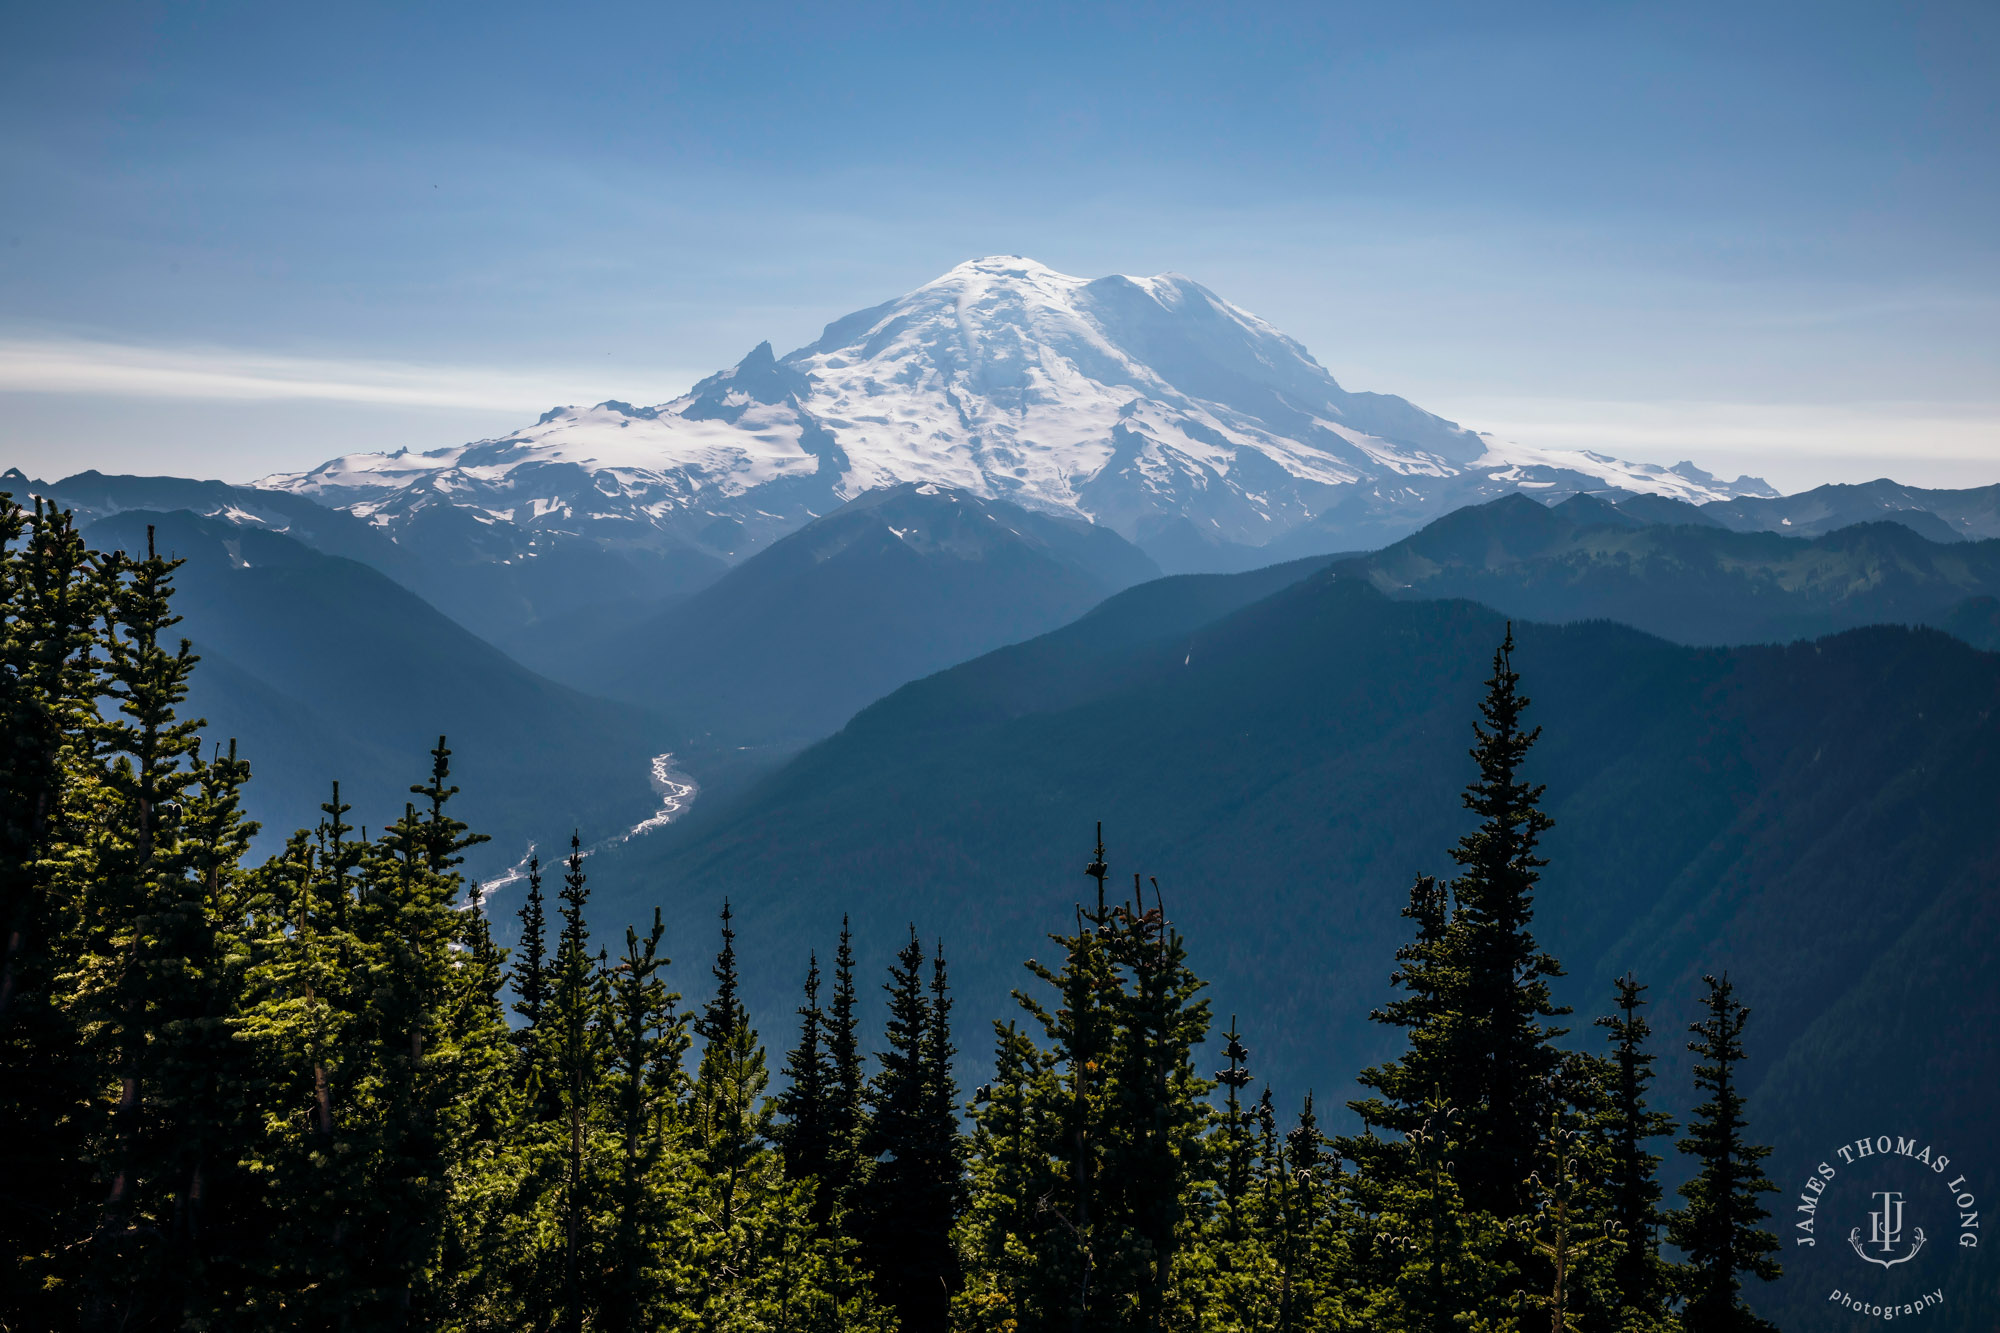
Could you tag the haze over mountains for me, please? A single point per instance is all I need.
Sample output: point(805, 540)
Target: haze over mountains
point(1128, 401)
point(1147, 405)
point(324, 670)
point(1673, 570)
point(905, 581)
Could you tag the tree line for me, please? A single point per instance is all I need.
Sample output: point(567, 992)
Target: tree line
point(313, 1092)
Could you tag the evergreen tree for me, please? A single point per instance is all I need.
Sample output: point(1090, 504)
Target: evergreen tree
point(482, 1235)
point(150, 947)
point(204, 1075)
point(755, 1257)
point(1038, 1137)
point(647, 1043)
point(1011, 1176)
point(1156, 1109)
point(298, 1020)
point(731, 1124)
point(1072, 1241)
point(914, 1192)
point(1435, 1268)
point(1303, 1230)
point(1718, 1228)
point(445, 838)
point(1098, 1139)
point(1564, 1225)
point(847, 1104)
point(575, 1035)
point(723, 1015)
point(805, 1107)
point(49, 683)
point(1244, 1276)
point(421, 1074)
point(1236, 1143)
point(531, 978)
point(1500, 1050)
point(1426, 973)
point(1476, 1000)
point(1632, 1172)
point(1384, 1165)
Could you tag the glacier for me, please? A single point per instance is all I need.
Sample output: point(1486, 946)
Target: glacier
point(1131, 402)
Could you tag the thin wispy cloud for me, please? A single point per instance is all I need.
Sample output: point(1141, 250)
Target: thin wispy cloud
point(1799, 444)
point(213, 374)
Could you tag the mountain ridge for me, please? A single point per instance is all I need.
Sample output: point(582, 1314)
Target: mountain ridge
point(325, 669)
point(894, 585)
point(1118, 399)
point(1686, 577)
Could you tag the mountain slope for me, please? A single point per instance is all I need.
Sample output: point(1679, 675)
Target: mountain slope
point(1129, 401)
point(1686, 581)
point(93, 495)
point(1794, 814)
point(324, 669)
point(898, 584)
point(506, 583)
point(1940, 515)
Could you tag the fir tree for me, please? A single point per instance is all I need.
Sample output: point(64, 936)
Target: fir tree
point(1476, 1000)
point(1243, 1278)
point(143, 924)
point(297, 1022)
point(203, 1074)
point(647, 1043)
point(753, 1255)
point(421, 1076)
point(1436, 1268)
point(51, 592)
point(1500, 1051)
point(340, 855)
point(1099, 1139)
point(1010, 1178)
point(914, 1191)
point(1155, 1100)
point(1071, 1245)
point(1236, 1146)
point(575, 1036)
point(530, 977)
point(723, 1014)
point(444, 837)
point(847, 1103)
point(1563, 1226)
point(805, 1107)
point(1718, 1228)
point(1303, 1231)
point(731, 1123)
point(1633, 1172)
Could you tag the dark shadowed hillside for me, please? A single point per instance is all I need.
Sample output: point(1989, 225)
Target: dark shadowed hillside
point(1804, 816)
point(898, 584)
point(1942, 515)
point(1653, 567)
point(323, 668)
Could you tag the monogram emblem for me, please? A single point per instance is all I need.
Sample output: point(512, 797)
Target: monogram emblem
point(1885, 1232)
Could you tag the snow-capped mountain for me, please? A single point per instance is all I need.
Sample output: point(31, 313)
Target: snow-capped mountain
point(1134, 402)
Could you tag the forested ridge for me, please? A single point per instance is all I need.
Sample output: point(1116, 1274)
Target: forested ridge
point(313, 1093)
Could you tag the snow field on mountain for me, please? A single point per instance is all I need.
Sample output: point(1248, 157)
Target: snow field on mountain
point(1114, 399)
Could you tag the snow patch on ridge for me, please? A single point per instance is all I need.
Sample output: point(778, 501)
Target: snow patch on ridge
point(1124, 400)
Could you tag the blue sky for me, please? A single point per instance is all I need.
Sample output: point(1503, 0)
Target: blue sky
point(235, 239)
